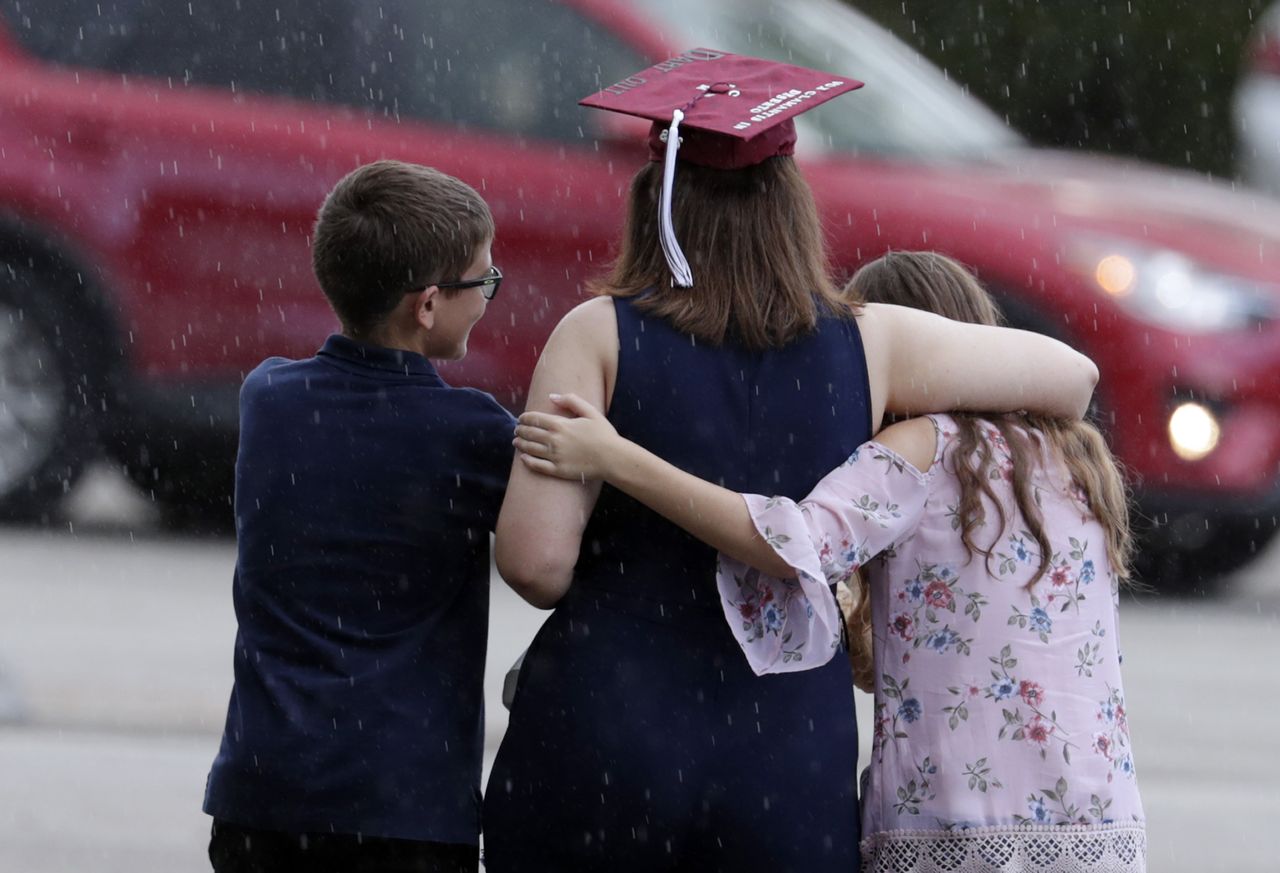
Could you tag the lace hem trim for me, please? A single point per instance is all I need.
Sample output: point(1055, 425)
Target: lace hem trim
point(1042, 849)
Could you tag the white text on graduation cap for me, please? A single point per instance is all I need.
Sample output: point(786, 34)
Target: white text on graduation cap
point(666, 66)
point(783, 102)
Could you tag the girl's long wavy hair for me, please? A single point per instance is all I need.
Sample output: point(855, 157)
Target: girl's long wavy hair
point(938, 284)
point(754, 243)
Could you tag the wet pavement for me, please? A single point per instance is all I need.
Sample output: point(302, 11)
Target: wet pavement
point(115, 665)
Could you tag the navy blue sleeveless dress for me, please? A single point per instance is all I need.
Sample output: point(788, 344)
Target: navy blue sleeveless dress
point(639, 738)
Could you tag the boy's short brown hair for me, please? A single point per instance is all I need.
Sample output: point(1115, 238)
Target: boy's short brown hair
point(389, 227)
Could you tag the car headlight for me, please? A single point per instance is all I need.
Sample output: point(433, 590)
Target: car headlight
point(1194, 431)
point(1170, 290)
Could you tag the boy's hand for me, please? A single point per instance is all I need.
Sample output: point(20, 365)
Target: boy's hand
point(582, 446)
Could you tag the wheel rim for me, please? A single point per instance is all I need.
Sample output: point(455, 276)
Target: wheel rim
point(32, 397)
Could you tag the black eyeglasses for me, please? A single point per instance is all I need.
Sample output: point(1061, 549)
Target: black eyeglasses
point(488, 284)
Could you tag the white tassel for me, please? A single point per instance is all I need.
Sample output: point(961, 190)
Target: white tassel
point(667, 232)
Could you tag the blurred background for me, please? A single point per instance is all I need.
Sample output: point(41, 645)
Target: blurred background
point(1109, 169)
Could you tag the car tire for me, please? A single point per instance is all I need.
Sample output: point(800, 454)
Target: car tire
point(49, 393)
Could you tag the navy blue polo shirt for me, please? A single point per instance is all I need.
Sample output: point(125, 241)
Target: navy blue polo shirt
point(366, 489)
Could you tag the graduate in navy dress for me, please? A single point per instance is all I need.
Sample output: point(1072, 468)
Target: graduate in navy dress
point(366, 489)
point(640, 739)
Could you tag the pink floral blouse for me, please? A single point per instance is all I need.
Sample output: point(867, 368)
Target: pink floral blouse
point(1000, 738)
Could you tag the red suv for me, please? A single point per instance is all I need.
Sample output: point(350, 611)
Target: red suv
point(161, 164)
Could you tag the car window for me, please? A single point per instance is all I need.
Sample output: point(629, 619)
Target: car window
point(283, 47)
point(508, 65)
point(908, 109)
point(71, 32)
point(511, 65)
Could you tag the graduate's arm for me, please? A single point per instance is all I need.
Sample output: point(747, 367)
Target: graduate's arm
point(587, 447)
point(542, 518)
point(920, 362)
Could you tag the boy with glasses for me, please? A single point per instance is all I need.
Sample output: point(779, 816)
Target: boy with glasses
point(366, 489)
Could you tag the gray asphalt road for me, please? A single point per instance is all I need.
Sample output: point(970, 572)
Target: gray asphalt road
point(115, 664)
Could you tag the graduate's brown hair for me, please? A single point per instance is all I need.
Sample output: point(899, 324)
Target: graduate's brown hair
point(390, 227)
point(755, 247)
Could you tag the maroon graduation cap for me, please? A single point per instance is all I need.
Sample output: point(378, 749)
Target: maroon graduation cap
point(720, 110)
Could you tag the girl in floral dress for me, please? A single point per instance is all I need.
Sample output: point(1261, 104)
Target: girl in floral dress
point(993, 550)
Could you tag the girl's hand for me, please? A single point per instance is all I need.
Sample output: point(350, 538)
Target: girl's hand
point(580, 447)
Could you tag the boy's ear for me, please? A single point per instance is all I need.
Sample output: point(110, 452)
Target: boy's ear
point(424, 307)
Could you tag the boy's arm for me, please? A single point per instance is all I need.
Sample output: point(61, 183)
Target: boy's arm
point(491, 459)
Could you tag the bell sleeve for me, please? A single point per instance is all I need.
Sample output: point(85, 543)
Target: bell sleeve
point(867, 504)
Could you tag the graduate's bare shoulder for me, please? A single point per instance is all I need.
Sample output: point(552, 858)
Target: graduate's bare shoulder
point(594, 318)
point(585, 341)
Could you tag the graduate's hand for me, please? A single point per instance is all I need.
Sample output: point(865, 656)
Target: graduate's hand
point(581, 444)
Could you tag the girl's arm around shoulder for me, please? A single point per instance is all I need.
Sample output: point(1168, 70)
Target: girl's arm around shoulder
point(542, 518)
point(586, 447)
point(884, 474)
point(858, 510)
point(920, 362)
